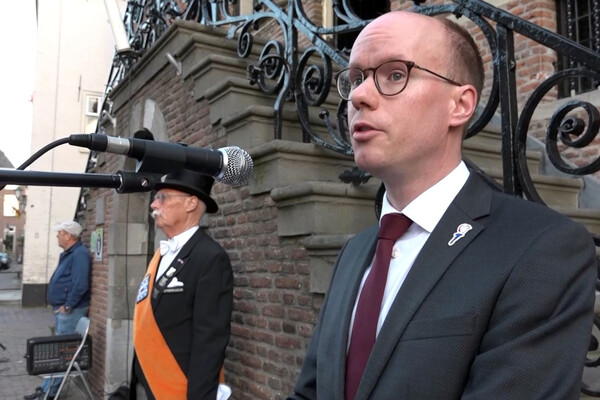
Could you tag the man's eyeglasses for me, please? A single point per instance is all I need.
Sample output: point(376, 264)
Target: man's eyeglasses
point(161, 197)
point(391, 78)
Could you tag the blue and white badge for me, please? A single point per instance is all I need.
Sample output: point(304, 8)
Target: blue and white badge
point(143, 290)
point(461, 231)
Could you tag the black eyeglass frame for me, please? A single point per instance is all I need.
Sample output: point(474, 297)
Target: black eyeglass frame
point(409, 66)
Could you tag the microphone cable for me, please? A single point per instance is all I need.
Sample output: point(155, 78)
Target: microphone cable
point(38, 154)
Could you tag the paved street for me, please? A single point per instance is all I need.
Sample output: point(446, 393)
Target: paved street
point(16, 326)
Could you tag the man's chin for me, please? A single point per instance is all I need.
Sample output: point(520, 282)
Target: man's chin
point(157, 221)
point(367, 165)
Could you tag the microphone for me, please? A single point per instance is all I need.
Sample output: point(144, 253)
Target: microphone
point(230, 165)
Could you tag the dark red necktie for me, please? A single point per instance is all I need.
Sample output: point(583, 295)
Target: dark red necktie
point(369, 304)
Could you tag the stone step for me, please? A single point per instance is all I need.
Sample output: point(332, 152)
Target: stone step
point(10, 280)
point(486, 155)
point(10, 297)
point(10, 284)
point(555, 191)
point(586, 217)
point(488, 136)
point(591, 380)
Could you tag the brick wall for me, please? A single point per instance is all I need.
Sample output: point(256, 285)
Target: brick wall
point(99, 312)
point(273, 310)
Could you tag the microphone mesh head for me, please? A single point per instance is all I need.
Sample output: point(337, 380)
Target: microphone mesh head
point(237, 166)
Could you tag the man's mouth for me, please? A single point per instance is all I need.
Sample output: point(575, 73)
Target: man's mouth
point(362, 127)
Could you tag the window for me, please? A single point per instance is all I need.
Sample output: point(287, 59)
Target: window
point(10, 206)
point(92, 112)
point(576, 21)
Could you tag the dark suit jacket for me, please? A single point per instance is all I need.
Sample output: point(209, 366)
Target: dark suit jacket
point(504, 313)
point(196, 321)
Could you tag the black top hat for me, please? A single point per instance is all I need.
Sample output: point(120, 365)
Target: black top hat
point(192, 183)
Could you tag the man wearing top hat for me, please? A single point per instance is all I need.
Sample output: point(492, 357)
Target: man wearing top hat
point(183, 306)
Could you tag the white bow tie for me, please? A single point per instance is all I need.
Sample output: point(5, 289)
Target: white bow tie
point(170, 245)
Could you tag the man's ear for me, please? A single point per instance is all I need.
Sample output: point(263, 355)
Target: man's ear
point(191, 203)
point(465, 101)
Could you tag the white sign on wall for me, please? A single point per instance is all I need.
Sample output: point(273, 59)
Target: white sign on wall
point(97, 243)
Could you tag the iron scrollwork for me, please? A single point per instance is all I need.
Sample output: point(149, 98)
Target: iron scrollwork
point(563, 127)
point(306, 79)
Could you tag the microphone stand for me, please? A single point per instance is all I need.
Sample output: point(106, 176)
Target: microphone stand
point(122, 181)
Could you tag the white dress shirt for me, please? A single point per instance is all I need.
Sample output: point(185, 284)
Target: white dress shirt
point(175, 244)
point(425, 211)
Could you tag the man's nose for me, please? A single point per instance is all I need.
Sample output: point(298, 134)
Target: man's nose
point(365, 93)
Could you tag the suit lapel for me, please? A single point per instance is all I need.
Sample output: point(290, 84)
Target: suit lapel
point(429, 267)
point(178, 265)
point(354, 263)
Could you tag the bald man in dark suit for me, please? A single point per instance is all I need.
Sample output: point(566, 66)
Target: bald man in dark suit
point(484, 295)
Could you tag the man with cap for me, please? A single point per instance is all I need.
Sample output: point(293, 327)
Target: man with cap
point(183, 306)
point(68, 291)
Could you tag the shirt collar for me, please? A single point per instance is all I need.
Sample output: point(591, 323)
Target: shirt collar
point(184, 236)
point(429, 207)
point(70, 249)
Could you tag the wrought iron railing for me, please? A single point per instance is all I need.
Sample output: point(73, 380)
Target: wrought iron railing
point(305, 78)
point(294, 77)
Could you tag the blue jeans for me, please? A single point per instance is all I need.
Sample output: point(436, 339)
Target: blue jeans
point(63, 325)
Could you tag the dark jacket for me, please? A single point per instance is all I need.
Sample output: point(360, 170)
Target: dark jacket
point(70, 283)
point(195, 319)
point(504, 313)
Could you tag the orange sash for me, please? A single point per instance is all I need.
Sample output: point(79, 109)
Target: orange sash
point(164, 376)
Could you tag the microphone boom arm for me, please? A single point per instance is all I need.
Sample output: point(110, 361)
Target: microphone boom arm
point(230, 165)
point(122, 182)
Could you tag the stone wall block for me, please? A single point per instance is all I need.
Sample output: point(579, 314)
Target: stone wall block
point(232, 95)
point(324, 208)
point(124, 238)
point(130, 209)
point(123, 280)
point(119, 354)
point(253, 126)
point(281, 163)
point(126, 270)
point(323, 251)
point(212, 69)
